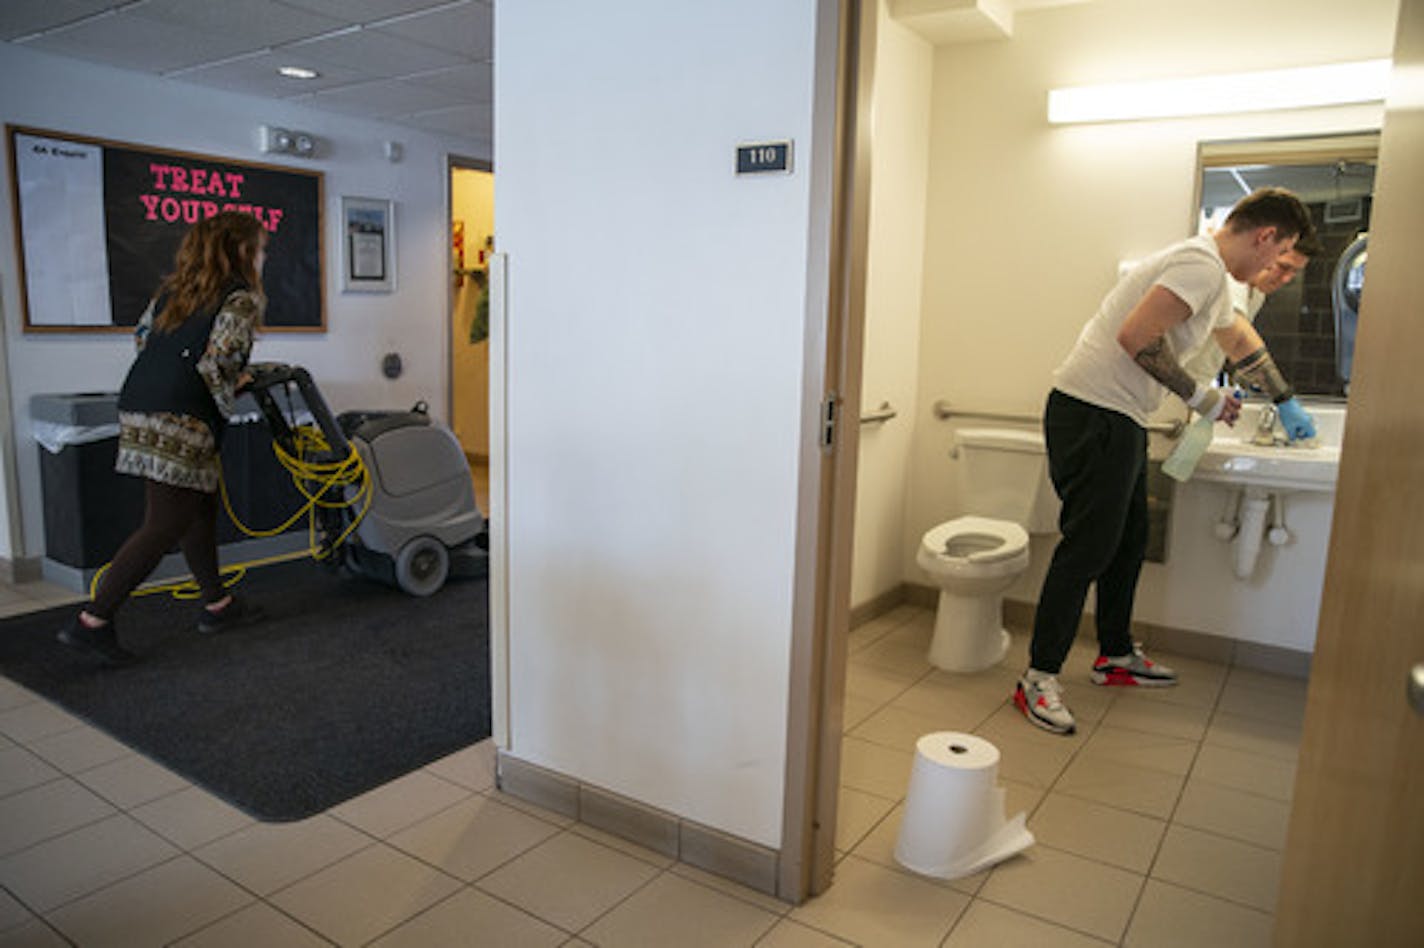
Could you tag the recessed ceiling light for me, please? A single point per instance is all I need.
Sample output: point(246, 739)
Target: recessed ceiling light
point(298, 72)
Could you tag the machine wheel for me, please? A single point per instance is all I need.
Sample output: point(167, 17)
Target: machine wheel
point(421, 566)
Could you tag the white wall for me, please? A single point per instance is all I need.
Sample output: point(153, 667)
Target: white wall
point(901, 115)
point(657, 317)
point(65, 95)
point(1028, 221)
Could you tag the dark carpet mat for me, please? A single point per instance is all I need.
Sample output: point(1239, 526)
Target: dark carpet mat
point(342, 685)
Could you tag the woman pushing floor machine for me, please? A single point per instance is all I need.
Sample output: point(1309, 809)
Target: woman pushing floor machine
point(391, 492)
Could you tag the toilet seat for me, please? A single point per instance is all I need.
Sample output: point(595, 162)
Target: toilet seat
point(975, 541)
point(973, 560)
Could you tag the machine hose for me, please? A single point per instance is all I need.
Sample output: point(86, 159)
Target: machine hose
point(316, 481)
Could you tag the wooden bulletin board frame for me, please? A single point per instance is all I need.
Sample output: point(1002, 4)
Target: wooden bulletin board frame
point(97, 222)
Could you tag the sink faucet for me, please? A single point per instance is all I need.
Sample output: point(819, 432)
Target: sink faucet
point(1265, 427)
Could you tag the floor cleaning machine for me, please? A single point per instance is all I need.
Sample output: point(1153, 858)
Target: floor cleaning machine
point(390, 491)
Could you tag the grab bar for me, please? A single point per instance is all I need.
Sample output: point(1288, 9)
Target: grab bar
point(944, 411)
point(882, 414)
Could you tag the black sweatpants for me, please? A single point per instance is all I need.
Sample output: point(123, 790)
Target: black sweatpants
point(171, 515)
point(1097, 460)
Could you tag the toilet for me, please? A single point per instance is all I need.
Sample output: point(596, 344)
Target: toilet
point(974, 559)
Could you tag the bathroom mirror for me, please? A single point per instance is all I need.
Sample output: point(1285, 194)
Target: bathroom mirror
point(1309, 324)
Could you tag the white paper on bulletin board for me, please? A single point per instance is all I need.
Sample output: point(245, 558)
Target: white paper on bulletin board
point(62, 217)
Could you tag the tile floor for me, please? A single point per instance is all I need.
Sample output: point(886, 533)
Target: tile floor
point(1159, 824)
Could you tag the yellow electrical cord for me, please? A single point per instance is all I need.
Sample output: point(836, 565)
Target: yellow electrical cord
point(314, 480)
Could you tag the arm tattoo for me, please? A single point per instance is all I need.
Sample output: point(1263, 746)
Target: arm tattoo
point(1260, 372)
point(1158, 361)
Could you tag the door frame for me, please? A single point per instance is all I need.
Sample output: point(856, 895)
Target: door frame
point(16, 564)
point(840, 229)
point(453, 162)
point(495, 515)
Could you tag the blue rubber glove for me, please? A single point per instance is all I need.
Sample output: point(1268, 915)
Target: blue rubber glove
point(1295, 419)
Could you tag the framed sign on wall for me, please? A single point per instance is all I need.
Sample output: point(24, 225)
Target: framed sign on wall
point(97, 224)
point(368, 245)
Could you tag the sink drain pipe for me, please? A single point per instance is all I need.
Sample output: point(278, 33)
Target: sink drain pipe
point(1279, 534)
point(1254, 509)
point(1230, 521)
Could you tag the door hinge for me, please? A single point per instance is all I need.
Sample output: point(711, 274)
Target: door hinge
point(828, 421)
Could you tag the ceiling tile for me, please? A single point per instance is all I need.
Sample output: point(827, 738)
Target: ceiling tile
point(467, 30)
point(23, 17)
point(383, 99)
point(471, 121)
point(364, 11)
point(380, 54)
point(257, 75)
point(132, 42)
point(474, 83)
point(421, 63)
point(250, 25)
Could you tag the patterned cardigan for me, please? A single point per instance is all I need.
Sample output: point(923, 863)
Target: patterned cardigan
point(179, 449)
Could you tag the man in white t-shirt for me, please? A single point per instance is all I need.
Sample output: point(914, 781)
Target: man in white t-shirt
point(1126, 358)
point(1246, 300)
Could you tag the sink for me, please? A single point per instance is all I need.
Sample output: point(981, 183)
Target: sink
point(1232, 458)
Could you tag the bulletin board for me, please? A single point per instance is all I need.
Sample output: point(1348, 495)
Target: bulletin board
point(97, 224)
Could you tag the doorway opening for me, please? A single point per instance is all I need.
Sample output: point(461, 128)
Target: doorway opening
point(471, 245)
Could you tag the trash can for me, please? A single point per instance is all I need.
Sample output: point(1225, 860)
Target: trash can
point(88, 509)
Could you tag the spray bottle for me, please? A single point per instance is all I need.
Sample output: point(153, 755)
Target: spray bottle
point(1193, 444)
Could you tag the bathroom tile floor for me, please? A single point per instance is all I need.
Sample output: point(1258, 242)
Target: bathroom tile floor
point(1159, 824)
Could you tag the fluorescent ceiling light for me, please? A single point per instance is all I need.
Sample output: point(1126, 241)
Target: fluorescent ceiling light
point(298, 72)
point(1305, 87)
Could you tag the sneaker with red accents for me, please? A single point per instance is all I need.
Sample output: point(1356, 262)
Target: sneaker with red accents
point(1040, 698)
point(1133, 668)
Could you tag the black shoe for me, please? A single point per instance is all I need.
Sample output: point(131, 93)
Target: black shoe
point(237, 612)
point(100, 643)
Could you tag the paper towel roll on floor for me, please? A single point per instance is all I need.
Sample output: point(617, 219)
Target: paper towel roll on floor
point(954, 821)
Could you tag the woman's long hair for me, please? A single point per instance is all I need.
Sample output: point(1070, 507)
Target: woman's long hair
point(215, 254)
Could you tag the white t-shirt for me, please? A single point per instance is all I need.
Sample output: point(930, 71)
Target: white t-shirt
point(1246, 300)
point(1100, 372)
